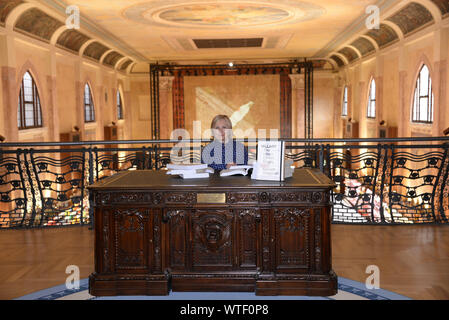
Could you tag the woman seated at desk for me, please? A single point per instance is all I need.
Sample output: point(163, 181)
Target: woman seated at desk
point(223, 152)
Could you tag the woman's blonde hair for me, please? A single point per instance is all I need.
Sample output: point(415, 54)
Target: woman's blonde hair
point(220, 117)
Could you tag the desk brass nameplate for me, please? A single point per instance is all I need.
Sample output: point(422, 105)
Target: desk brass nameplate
point(211, 198)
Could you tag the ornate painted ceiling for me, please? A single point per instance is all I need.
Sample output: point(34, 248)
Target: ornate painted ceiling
point(123, 33)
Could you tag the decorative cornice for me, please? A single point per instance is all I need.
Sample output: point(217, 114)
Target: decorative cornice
point(86, 24)
point(351, 31)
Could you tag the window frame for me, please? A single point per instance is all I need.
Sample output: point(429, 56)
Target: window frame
point(371, 100)
point(36, 102)
point(416, 108)
point(344, 108)
point(89, 105)
point(119, 106)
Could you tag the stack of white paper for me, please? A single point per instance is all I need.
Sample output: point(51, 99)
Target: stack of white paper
point(189, 171)
point(236, 170)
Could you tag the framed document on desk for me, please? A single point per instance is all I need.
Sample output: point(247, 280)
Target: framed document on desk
point(270, 161)
point(155, 233)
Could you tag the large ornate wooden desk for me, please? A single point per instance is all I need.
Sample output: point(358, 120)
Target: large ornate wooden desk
point(155, 233)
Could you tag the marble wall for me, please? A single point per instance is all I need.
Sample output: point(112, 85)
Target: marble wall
point(395, 70)
point(60, 77)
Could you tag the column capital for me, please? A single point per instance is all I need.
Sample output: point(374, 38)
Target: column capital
point(297, 81)
point(166, 82)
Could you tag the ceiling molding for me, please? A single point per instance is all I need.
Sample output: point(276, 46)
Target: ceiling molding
point(112, 58)
point(364, 46)
point(57, 34)
point(126, 65)
point(95, 50)
point(373, 42)
point(340, 56)
point(120, 61)
point(412, 17)
point(38, 23)
point(104, 55)
point(352, 30)
point(7, 7)
point(433, 9)
point(359, 54)
point(85, 45)
point(95, 30)
point(442, 5)
point(72, 39)
point(349, 53)
point(395, 28)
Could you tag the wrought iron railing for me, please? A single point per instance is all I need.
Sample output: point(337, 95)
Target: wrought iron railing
point(379, 181)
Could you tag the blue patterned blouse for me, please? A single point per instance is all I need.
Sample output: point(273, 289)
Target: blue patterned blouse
point(217, 155)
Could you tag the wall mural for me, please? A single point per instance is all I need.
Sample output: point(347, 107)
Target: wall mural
point(72, 39)
point(38, 23)
point(95, 50)
point(411, 17)
point(364, 46)
point(384, 35)
point(6, 6)
point(443, 5)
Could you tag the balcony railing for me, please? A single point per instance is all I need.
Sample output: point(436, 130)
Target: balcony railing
point(379, 181)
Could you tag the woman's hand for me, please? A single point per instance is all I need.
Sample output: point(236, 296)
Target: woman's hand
point(230, 165)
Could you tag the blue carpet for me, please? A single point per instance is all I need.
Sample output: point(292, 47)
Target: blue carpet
point(347, 290)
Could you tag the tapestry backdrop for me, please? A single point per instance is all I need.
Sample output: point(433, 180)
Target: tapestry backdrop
point(251, 101)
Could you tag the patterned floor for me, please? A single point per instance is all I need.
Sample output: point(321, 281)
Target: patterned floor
point(347, 290)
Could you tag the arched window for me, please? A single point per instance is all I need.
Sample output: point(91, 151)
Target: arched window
point(89, 111)
point(371, 110)
point(119, 106)
point(423, 99)
point(344, 108)
point(29, 113)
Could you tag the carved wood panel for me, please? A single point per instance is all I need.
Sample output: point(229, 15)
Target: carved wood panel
point(106, 245)
point(177, 237)
point(131, 227)
point(156, 242)
point(318, 241)
point(266, 243)
point(212, 239)
point(248, 226)
point(291, 227)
